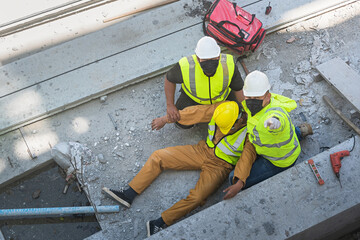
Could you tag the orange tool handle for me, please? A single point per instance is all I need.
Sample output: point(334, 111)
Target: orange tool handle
point(335, 159)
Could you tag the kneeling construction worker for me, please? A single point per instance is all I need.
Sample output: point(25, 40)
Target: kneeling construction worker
point(270, 129)
point(207, 77)
point(226, 147)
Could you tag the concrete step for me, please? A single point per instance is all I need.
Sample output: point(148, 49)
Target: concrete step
point(290, 205)
point(44, 84)
point(15, 161)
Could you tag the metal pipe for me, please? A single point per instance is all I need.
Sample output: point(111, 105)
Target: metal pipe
point(57, 211)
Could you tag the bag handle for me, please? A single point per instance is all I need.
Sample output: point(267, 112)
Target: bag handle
point(241, 34)
point(239, 15)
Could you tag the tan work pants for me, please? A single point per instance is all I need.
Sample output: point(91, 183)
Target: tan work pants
point(189, 157)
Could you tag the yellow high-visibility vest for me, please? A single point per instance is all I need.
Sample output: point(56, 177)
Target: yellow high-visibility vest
point(280, 146)
point(203, 89)
point(230, 147)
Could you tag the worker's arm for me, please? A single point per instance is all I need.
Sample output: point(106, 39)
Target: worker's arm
point(171, 110)
point(242, 169)
point(237, 85)
point(239, 96)
point(188, 116)
point(275, 123)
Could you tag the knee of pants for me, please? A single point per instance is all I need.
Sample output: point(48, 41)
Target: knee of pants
point(195, 198)
point(155, 158)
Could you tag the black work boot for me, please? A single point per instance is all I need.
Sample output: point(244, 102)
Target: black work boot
point(118, 196)
point(153, 228)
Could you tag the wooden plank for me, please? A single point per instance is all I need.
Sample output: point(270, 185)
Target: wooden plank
point(100, 77)
point(343, 78)
point(341, 115)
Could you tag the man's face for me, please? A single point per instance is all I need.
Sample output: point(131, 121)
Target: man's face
point(255, 104)
point(203, 60)
point(265, 98)
point(258, 98)
point(209, 66)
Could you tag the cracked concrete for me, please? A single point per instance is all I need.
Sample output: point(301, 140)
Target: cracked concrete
point(120, 154)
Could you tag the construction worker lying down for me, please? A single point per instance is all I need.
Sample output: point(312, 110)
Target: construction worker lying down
point(226, 147)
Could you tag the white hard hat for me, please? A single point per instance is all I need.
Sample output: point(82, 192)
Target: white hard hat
point(207, 48)
point(256, 84)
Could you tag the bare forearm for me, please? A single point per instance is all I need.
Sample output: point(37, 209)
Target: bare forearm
point(239, 96)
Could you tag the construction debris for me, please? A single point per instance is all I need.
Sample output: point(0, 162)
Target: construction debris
point(291, 40)
point(36, 194)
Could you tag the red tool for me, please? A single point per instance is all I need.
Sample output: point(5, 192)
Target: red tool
point(268, 9)
point(335, 159)
point(316, 172)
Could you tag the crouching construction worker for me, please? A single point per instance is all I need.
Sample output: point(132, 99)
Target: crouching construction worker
point(226, 146)
point(270, 129)
point(206, 77)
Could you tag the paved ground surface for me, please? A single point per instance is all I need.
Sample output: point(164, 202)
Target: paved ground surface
point(290, 205)
point(290, 67)
point(50, 33)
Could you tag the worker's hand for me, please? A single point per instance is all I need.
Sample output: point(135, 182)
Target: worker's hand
point(173, 113)
point(272, 123)
point(158, 123)
point(233, 189)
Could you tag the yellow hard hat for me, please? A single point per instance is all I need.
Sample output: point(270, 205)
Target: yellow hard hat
point(225, 115)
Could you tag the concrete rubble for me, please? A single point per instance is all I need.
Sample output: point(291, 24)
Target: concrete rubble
point(289, 58)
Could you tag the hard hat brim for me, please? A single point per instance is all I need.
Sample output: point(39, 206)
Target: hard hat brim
point(254, 94)
point(208, 55)
point(225, 130)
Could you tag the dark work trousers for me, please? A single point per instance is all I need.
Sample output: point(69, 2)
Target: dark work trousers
point(185, 101)
point(263, 169)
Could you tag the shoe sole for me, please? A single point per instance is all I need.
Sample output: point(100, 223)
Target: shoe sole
point(148, 228)
point(111, 194)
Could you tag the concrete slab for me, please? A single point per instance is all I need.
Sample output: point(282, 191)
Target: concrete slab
point(133, 32)
point(343, 78)
point(284, 206)
point(128, 33)
point(59, 30)
point(12, 11)
point(15, 161)
point(93, 80)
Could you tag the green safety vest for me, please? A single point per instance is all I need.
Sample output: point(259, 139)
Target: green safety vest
point(280, 146)
point(230, 147)
point(203, 89)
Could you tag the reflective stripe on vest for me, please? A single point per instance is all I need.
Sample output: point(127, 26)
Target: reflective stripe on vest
point(296, 144)
point(196, 83)
point(281, 154)
point(234, 147)
point(211, 130)
point(228, 148)
point(257, 141)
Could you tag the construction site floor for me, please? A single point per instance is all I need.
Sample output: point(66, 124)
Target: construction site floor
point(119, 154)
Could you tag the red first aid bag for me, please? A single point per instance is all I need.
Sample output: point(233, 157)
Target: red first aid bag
point(233, 27)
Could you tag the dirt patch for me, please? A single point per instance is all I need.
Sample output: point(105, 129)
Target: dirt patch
point(198, 9)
